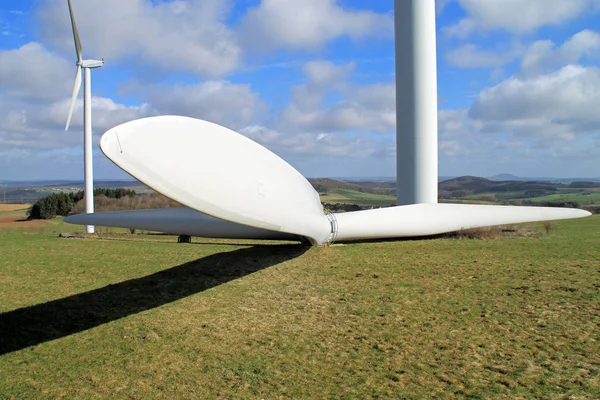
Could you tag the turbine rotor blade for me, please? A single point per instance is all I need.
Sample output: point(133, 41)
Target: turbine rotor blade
point(252, 186)
point(75, 34)
point(433, 219)
point(76, 87)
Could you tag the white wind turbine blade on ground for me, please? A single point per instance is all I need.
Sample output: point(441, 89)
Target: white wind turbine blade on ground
point(416, 220)
point(179, 221)
point(218, 172)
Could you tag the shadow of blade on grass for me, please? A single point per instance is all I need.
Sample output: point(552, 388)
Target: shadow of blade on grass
point(37, 324)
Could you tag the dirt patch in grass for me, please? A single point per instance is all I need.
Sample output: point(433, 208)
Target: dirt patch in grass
point(19, 220)
point(13, 207)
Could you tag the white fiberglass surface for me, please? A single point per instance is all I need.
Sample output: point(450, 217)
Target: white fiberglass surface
point(432, 219)
point(219, 172)
point(179, 221)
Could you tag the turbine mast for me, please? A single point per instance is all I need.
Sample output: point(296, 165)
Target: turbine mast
point(416, 102)
point(86, 65)
point(87, 146)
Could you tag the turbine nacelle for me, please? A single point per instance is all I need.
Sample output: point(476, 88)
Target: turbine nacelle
point(91, 63)
point(81, 63)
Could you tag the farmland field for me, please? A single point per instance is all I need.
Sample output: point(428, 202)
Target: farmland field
point(140, 316)
point(356, 197)
point(582, 197)
point(13, 207)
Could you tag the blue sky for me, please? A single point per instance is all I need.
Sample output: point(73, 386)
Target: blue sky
point(519, 81)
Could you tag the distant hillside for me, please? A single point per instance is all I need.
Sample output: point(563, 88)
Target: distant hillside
point(475, 185)
point(324, 185)
point(506, 177)
point(510, 177)
point(98, 183)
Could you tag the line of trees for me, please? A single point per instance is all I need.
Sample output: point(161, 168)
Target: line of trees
point(51, 206)
point(63, 203)
point(110, 193)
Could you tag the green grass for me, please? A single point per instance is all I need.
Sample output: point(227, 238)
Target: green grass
point(49, 227)
point(584, 197)
point(591, 197)
point(356, 197)
point(148, 318)
point(466, 201)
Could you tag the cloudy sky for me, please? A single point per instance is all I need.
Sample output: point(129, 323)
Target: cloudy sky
point(312, 80)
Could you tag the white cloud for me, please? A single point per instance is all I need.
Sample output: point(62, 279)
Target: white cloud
point(312, 144)
point(366, 108)
point(175, 35)
point(106, 113)
point(471, 56)
point(36, 98)
point(311, 125)
point(458, 136)
point(41, 126)
point(562, 103)
point(490, 147)
point(233, 105)
point(440, 5)
point(322, 76)
point(35, 101)
point(542, 56)
point(517, 16)
point(325, 73)
point(308, 24)
point(31, 72)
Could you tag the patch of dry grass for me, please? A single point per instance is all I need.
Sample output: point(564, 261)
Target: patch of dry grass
point(497, 232)
point(13, 207)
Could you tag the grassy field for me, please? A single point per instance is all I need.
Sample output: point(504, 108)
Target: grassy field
point(15, 222)
point(586, 198)
point(140, 316)
point(355, 197)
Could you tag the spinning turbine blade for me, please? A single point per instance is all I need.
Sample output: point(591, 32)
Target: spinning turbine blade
point(75, 34)
point(218, 172)
point(76, 88)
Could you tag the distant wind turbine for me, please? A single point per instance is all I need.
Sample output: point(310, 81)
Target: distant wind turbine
point(87, 65)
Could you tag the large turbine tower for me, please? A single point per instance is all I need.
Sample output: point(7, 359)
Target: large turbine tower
point(416, 102)
point(87, 66)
